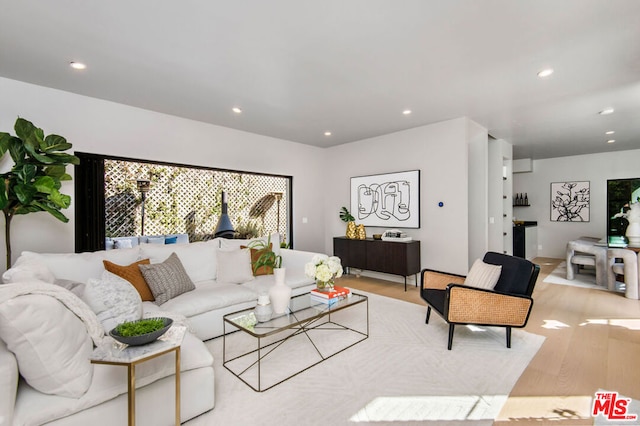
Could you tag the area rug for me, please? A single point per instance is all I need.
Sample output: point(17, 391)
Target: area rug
point(586, 278)
point(402, 372)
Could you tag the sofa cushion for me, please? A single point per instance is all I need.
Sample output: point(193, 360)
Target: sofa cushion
point(28, 269)
point(198, 259)
point(113, 299)
point(234, 266)
point(167, 279)
point(50, 342)
point(82, 266)
point(483, 275)
point(132, 274)
point(208, 297)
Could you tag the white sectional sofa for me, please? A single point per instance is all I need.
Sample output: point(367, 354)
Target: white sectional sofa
point(219, 275)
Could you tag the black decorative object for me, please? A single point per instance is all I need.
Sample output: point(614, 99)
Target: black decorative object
point(142, 339)
point(224, 228)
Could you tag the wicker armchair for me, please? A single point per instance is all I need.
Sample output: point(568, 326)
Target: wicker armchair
point(507, 305)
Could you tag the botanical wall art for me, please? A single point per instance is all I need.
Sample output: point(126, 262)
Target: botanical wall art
point(570, 201)
point(389, 200)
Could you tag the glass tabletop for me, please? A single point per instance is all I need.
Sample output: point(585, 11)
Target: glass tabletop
point(302, 309)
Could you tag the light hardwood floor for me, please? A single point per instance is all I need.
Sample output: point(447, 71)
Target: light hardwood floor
point(592, 342)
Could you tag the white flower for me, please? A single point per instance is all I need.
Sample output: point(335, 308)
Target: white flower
point(323, 268)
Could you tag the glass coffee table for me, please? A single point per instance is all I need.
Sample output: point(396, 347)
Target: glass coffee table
point(265, 354)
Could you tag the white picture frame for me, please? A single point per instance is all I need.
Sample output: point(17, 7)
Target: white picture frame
point(390, 200)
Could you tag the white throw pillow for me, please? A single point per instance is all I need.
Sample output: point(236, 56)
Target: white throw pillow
point(234, 266)
point(483, 275)
point(50, 342)
point(113, 299)
point(28, 269)
point(198, 259)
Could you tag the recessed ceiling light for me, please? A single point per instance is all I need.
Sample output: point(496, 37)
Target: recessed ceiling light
point(77, 65)
point(406, 112)
point(611, 141)
point(545, 73)
point(237, 110)
point(327, 133)
point(610, 132)
point(606, 111)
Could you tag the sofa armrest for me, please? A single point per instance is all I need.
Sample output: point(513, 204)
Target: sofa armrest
point(8, 384)
point(296, 259)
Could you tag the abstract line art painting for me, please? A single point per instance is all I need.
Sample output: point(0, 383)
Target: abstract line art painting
point(570, 201)
point(389, 200)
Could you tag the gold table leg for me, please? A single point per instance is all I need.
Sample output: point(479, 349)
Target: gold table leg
point(178, 386)
point(132, 394)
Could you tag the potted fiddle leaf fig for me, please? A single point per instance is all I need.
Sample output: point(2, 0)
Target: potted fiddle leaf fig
point(33, 183)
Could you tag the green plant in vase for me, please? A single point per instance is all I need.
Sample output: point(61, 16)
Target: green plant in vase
point(347, 217)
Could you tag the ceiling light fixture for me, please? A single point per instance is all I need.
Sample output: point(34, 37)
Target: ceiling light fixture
point(77, 65)
point(611, 141)
point(607, 111)
point(237, 110)
point(545, 73)
point(610, 132)
point(327, 133)
point(406, 112)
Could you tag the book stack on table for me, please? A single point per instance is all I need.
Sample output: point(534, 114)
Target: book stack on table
point(329, 297)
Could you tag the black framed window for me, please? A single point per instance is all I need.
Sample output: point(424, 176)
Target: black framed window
point(119, 197)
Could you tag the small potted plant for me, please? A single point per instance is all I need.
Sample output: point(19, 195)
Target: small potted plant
point(345, 216)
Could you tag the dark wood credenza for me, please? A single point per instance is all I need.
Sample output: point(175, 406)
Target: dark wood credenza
point(390, 257)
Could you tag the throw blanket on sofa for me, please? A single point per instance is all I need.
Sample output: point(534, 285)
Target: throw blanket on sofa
point(70, 300)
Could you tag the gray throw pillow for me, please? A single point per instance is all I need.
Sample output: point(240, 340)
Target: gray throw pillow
point(167, 279)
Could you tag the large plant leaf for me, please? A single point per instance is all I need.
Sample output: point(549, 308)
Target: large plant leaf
point(24, 193)
point(5, 139)
point(3, 195)
point(56, 171)
point(54, 143)
point(26, 173)
point(27, 209)
point(45, 184)
point(61, 158)
point(54, 212)
point(24, 128)
point(60, 200)
point(17, 151)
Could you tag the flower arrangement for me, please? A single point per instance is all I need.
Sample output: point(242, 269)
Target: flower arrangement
point(324, 270)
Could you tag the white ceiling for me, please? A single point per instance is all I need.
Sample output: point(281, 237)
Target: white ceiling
point(298, 68)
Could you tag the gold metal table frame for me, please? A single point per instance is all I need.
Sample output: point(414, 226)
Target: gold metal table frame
point(109, 354)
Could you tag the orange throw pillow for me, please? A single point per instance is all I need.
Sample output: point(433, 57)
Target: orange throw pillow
point(255, 255)
point(132, 274)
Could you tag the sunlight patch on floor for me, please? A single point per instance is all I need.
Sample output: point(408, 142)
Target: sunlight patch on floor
point(554, 324)
point(422, 408)
point(629, 323)
point(546, 408)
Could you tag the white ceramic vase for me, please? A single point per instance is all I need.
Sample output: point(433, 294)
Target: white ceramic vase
point(633, 233)
point(280, 293)
point(263, 309)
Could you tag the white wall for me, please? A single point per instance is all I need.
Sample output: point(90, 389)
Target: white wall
point(478, 193)
point(102, 127)
point(595, 168)
point(439, 151)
